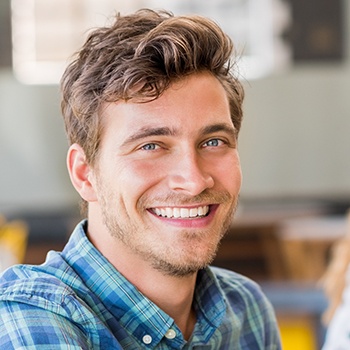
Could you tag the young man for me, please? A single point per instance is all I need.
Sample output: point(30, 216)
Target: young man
point(152, 111)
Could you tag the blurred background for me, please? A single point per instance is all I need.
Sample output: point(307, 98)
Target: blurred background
point(294, 145)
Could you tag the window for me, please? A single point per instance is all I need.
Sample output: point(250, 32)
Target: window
point(46, 33)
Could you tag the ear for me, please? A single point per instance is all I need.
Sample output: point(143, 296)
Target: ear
point(80, 173)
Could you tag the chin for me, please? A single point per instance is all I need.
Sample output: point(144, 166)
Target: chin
point(185, 267)
point(179, 270)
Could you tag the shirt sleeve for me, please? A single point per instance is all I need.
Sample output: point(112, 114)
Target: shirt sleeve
point(24, 326)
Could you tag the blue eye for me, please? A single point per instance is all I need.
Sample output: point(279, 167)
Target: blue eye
point(213, 143)
point(149, 147)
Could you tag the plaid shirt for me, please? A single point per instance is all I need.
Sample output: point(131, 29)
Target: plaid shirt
point(78, 300)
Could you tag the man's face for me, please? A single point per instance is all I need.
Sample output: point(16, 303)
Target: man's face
point(168, 175)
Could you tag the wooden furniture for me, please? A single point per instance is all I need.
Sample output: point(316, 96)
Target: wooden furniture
point(256, 243)
point(306, 244)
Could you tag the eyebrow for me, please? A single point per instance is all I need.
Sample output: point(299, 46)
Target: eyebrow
point(229, 129)
point(147, 132)
point(166, 131)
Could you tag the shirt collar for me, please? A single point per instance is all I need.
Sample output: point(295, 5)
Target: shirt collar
point(130, 307)
point(209, 303)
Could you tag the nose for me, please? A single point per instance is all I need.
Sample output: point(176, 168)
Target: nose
point(190, 174)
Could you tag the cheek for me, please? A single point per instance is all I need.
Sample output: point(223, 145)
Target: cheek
point(138, 177)
point(141, 172)
point(229, 174)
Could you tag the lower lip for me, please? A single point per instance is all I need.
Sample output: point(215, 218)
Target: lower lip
point(190, 222)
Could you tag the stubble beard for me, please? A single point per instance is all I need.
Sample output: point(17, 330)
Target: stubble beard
point(169, 260)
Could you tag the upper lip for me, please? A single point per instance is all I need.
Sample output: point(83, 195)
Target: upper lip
point(181, 212)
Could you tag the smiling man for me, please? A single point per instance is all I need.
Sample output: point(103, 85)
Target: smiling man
point(152, 111)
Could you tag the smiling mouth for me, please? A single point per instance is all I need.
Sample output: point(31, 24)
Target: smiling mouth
point(182, 213)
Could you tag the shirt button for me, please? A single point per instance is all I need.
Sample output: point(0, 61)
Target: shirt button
point(147, 339)
point(170, 334)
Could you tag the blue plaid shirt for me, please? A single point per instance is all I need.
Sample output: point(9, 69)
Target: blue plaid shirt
point(78, 300)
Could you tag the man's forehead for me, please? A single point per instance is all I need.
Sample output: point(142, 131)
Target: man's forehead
point(197, 107)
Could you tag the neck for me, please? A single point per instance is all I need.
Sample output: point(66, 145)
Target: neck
point(174, 295)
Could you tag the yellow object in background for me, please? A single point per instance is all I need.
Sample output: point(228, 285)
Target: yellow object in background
point(297, 334)
point(13, 242)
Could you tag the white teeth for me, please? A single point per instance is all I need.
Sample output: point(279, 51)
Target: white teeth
point(182, 212)
point(176, 212)
point(169, 212)
point(193, 212)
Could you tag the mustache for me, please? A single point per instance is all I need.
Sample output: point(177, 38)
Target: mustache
point(207, 197)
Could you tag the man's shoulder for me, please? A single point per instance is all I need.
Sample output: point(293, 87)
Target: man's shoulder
point(35, 302)
point(229, 278)
point(236, 286)
point(247, 303)
point(40, 286)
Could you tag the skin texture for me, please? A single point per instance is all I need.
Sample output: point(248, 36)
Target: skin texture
point(171, 156)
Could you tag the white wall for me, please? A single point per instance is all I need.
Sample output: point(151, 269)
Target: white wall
point(32, 147)
point(296, 133)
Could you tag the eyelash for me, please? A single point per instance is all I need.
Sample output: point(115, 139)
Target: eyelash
point(146, 147)
point(154, 146)
point(218, 142)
